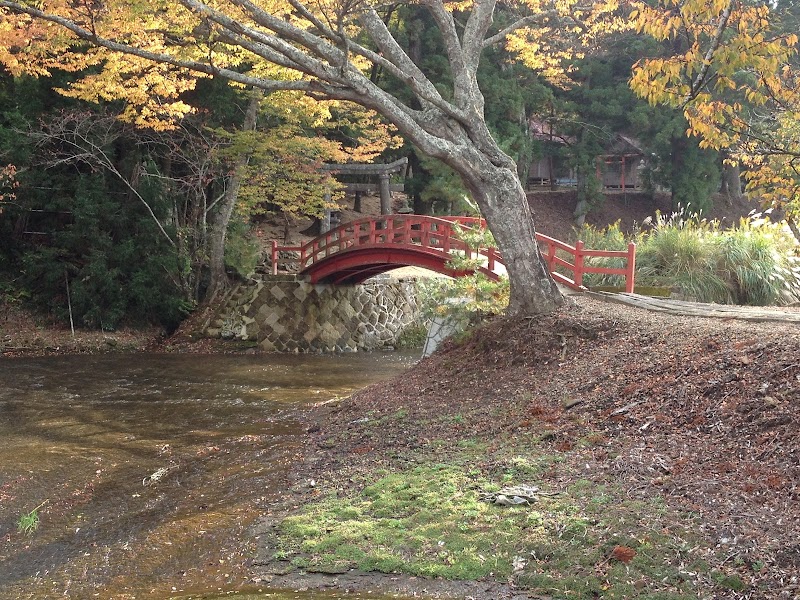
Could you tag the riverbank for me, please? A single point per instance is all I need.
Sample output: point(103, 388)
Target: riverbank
point(660, 453)
point(25, 334)
point(663, 450)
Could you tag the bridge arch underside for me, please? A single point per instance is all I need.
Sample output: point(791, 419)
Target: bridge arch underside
point(355, 266)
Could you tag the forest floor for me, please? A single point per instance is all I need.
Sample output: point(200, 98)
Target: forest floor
point(624, 406)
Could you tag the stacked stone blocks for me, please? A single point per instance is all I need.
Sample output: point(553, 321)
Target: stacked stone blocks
point(283, 313)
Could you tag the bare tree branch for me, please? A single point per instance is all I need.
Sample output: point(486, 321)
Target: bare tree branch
point(700, 80)
point(88, 137)
point(517, 25)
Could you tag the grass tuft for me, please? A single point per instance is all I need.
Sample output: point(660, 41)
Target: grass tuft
point(29, 522)
point(754, 263)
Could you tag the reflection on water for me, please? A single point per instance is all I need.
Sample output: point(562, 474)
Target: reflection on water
point(152, 466)
point(293, 595)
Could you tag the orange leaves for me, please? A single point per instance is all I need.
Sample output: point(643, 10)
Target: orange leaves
point(623, 554)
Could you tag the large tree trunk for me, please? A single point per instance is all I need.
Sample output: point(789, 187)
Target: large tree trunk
point(502, 199)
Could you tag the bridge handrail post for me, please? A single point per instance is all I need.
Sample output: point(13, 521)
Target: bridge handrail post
point(274, 257)
point(630, 269)
point(577, 271)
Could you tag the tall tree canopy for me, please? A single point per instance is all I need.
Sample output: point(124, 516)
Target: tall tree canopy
point(150, 51)
point(731, 68)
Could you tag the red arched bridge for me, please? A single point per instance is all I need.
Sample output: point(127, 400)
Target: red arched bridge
point(355, 251)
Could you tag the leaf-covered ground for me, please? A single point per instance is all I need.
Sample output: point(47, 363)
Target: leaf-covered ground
point(700, 414)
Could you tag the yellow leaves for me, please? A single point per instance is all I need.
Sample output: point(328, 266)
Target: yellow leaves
point(551, 50)
point(741, 60)
point(151, 92)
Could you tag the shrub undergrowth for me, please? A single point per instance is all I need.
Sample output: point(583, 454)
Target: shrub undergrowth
point(468, 298)
point(755, 263)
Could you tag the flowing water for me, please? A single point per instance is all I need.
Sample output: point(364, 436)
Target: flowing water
point(150, 468)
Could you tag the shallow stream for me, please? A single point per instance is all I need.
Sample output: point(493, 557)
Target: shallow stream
point(149, 469)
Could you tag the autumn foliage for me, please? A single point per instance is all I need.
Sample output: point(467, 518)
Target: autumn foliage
point(731, 68)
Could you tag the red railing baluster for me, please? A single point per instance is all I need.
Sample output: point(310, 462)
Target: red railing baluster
point(630, 272)
point(437, 233)
point(577, 273)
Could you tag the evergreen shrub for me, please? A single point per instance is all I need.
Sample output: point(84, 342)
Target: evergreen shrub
point(108, 264)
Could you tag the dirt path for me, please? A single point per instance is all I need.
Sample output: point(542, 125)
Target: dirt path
point(701, 309)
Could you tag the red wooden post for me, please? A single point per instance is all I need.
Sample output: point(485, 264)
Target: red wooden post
point(274, 257)
point(490, 253)
point(577, 275)
point(630, 271)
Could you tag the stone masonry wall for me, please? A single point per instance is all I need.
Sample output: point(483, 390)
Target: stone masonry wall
point(285, 314)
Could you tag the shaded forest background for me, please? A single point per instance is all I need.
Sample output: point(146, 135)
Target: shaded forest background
point(127, 225)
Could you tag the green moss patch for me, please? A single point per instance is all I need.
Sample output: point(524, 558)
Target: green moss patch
point(584, 542)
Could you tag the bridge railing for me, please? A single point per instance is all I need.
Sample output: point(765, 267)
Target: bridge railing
point(430, 234)
point(579, 253)
point(439, 234)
